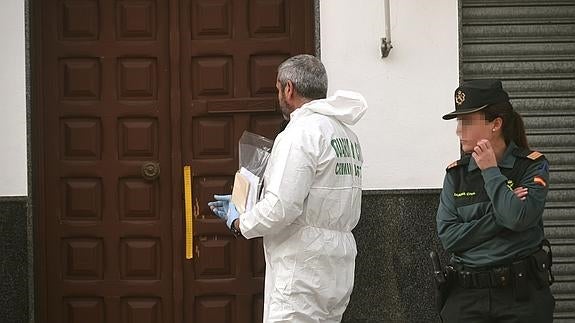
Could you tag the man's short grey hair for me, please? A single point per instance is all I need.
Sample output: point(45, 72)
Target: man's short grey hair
point(307, 74)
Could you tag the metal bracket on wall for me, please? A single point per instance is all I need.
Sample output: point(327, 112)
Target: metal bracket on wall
point(386, 41)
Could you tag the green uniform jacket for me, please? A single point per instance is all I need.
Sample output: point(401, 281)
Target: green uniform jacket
point(481, 221)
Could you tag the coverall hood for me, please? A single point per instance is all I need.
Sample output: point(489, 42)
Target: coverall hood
point(346, 106)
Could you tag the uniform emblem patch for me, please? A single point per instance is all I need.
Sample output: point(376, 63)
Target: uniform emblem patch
point(464, 194)
point(459, 97)
point(539, 181)
point(534, 155)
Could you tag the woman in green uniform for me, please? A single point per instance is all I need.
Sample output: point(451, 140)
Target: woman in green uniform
point(490, 214)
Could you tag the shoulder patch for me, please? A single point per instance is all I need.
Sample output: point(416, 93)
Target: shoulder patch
point(452, 164)
point(534, 155)
point(463, 161)
point(526, 153)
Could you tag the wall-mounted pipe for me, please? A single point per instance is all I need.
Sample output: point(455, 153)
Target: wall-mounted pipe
point(386, 41)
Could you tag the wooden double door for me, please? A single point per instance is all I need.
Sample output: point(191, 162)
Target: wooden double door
point(125, 93)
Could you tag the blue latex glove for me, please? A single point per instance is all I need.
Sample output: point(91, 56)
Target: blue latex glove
point(221, 205)
point(224, 209)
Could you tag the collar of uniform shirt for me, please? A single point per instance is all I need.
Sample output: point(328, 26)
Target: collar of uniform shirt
point(507, 162)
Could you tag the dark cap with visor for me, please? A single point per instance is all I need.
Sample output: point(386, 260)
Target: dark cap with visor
point(472, 96)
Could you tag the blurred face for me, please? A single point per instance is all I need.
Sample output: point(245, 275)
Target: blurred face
point(473, 127)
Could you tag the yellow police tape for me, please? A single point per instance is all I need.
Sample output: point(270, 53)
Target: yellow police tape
point(188, 210)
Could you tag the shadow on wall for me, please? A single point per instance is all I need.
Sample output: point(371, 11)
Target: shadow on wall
point(393, 281)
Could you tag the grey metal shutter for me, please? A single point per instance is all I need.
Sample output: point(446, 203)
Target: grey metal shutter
point(530, 45)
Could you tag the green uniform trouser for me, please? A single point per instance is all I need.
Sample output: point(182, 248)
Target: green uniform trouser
point(498, 305)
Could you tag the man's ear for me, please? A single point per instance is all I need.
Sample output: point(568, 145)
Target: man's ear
point(289, 89)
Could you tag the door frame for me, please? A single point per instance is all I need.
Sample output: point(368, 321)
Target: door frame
point(37, 160)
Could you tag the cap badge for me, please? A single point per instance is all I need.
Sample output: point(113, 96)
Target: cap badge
point(459, 97)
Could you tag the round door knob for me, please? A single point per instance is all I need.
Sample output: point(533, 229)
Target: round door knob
point(151, 170)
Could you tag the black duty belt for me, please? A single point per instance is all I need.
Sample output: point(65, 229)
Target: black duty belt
point(494, 277)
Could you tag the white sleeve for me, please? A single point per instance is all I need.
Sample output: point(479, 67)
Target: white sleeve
point(290, 174)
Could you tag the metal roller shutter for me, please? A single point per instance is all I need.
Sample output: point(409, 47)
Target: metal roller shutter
point(530, 45)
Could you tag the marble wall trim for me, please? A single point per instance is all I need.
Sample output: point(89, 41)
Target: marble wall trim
point(393, 281)
point(14, 260)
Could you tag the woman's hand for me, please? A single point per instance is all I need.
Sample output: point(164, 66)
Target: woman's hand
point(521, 193)
point(484, 155)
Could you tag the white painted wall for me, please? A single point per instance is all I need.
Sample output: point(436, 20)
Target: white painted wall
point(405, 142)
point(13, 169)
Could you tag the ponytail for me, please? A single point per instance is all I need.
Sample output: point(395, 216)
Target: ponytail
point(515, 131)
point(513, 127)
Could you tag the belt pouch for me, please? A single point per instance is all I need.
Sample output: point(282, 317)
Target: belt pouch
point(540, 267)
point(520, 280)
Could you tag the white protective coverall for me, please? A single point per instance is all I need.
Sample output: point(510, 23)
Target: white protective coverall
point(311, 202)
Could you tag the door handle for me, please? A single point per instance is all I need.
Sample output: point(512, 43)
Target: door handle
point(188, 212)
point(151, 170)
